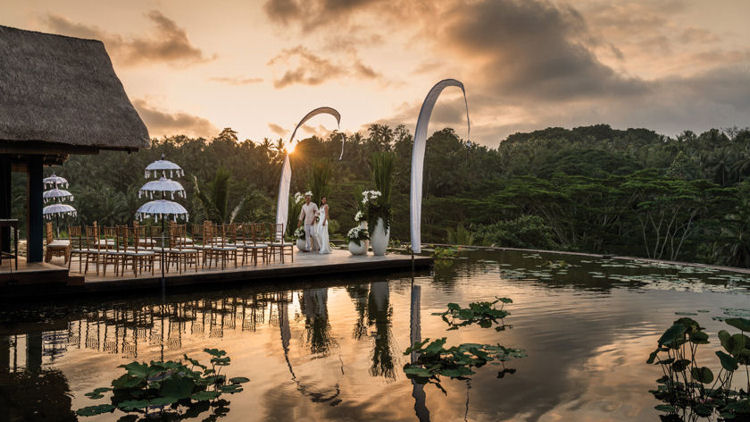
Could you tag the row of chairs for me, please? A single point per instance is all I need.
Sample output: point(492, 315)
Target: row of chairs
point(208, 245)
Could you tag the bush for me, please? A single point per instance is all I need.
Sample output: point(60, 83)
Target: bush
point(526, 231)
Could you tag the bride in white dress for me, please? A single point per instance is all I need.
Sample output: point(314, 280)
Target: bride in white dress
point(321, 227)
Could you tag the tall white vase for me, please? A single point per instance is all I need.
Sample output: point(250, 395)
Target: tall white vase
point(379, 238)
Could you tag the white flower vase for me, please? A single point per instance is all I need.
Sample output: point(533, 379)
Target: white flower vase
point(358, 249)
point(301, 245)
point(379, 238)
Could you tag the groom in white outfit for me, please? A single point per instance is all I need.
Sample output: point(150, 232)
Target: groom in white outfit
point(309, 209)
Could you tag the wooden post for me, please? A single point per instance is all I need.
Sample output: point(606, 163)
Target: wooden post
point(5, 200)
point(34, 221)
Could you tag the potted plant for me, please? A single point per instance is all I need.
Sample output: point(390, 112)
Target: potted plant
point(358, 237)
point(378, 202)
point(300, 235)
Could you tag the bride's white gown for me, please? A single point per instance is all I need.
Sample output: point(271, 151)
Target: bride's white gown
point(321, 232)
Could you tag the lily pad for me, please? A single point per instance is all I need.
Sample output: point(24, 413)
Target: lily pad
point(95, 410)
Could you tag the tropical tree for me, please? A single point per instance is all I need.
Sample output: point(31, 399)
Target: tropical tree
point(214, 198)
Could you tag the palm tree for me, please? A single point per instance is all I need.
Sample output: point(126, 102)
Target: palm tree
point(215, 202)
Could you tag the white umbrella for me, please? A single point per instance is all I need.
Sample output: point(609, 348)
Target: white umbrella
point(161, 209)
point(58, 195)
point(55, 182)
point(162, 167)
point(163, 185)
point(56, 210)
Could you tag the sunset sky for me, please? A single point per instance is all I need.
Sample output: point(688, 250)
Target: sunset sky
point(195, 67)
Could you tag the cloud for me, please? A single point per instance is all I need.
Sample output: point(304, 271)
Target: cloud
point(166, 43)
point(163, 123)
point(277, 129)
point(236, 80)
point(365, 71)
point(533, 50)
point(307, 68)
point(311, 14)
point(694, 35)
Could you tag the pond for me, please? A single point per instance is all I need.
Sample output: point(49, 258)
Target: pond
point(333, 349)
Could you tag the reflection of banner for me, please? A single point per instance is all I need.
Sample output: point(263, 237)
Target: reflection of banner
point(417, 157)
point(415, 336)
point(282, 205)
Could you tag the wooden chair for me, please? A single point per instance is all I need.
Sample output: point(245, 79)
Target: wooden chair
point(218, 246)
point(179, 251)
point(278, 243)
point(56, 247)
point(136, 254)
point(144, 235)
point(112, 248)
point(251, 234)
point(92, 246)
point(78, 246)
point(199, 241)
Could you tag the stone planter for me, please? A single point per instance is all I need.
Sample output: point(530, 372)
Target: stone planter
point(379, 238)
point(356, 249)
point(301, 245)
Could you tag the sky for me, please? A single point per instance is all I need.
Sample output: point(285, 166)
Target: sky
point(195, 67)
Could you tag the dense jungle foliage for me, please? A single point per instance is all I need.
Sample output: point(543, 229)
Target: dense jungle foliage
point(592, 189)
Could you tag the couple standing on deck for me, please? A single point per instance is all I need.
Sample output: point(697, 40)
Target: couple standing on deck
point(316, 225)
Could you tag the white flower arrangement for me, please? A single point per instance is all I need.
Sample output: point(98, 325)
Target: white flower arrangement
point(358, 234)
point(299, 233)
point(369, 196)
point(359, 216)
point(308, 193)
point(298, 197)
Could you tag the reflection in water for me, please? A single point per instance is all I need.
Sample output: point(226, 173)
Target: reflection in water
point(314, 305)
point(415, 336)
point(33, 393)
point(358, 293)
point(379, 313)
point(331, 352)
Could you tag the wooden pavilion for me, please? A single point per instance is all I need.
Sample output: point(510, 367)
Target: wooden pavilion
point(58, 96)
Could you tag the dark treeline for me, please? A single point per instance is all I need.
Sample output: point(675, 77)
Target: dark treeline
point(592, 189)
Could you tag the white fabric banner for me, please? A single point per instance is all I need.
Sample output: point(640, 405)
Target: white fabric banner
point(417, 157)
point(282, 204)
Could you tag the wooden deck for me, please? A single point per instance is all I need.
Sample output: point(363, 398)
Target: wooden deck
point(305, 265)
point(35, 273)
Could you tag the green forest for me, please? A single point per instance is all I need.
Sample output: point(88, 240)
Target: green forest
point(590, 189)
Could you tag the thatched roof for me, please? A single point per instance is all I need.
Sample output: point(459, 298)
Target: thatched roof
point(63, 90)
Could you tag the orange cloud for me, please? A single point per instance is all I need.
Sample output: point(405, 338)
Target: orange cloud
point(167, 43)
point(164, 123)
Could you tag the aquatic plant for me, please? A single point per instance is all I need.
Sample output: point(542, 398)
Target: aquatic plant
point(430, 361)
point(445, 253)
point(483, 314)
point(460, 236)
point(690, 391)
point(170, 389)
point(434, 360)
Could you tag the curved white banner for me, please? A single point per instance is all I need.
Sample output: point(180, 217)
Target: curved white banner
point(417, 157)
point(282, 205)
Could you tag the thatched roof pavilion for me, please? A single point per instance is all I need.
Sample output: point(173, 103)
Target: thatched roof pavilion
point(58, 96)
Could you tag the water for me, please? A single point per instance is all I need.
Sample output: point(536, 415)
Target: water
point(330, 349)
